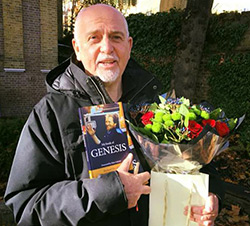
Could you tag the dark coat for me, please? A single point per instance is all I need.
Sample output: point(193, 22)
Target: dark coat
point(49, 182)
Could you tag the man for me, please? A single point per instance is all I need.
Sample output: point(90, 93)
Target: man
point(112, 131)
point(48, 183)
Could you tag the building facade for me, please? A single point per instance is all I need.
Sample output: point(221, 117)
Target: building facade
point(28, 51)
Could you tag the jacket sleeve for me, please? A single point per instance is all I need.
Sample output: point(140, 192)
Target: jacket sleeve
point(38, 190)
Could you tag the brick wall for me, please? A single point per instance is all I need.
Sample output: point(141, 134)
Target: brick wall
point(48, 16)
point(22, 40)
point(13, 34)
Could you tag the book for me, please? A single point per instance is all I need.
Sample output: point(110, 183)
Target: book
point(106, 137)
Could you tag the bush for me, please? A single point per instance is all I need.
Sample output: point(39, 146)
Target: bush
point(229, 87)
point(155, 41)
point(10, 130)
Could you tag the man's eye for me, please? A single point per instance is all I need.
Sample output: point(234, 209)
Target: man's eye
point(116, 37)
point(93, 38)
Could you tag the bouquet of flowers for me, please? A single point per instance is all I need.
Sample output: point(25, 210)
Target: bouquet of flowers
point(177, 138)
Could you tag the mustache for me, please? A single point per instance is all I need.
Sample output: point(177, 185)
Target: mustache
point(106, 57)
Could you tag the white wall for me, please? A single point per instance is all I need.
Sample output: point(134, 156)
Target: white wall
point(231, 5)
point(145, 6)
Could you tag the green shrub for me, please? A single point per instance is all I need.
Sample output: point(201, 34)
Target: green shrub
point(155, 41)
point(10, 130)
point(229, 87)
point(225, 32)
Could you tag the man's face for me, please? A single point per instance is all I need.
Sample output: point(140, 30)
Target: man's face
point(109, 122)
point(102, 44)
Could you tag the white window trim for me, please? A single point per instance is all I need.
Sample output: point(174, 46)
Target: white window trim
point(14, 70)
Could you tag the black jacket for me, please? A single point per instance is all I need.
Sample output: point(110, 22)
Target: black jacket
point(48, 183)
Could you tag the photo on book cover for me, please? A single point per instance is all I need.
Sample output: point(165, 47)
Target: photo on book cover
point(106, 138)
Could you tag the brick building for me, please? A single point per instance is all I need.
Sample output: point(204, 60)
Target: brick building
point(28, 51)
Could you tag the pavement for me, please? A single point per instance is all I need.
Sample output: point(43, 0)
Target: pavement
point(6, 216)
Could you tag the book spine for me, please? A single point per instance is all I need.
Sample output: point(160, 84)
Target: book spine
point(123, 125)
point(84, 140)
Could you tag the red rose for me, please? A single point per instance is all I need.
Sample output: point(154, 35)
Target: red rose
point(194, 128)
point(222, 128)
point(211, 122)
point(145, 119)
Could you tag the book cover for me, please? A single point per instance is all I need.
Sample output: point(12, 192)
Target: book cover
point(106, 138)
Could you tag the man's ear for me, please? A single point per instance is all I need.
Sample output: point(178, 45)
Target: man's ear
point(130, 40)
point(76, 49)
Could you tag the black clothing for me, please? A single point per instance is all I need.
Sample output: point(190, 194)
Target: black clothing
point(114, 134)
point(48, 183)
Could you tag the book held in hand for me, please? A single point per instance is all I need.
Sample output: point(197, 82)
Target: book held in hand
point(106, 138)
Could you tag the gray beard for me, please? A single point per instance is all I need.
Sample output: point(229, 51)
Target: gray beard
point(108, 76)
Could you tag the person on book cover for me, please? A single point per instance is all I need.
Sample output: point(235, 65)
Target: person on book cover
point(112, 130)
point(49, 182)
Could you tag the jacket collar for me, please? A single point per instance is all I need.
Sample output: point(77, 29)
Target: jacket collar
point(70, 78)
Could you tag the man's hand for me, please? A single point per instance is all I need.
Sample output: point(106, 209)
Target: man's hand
point(205, 215)
point(90, 130)
point(134, 185)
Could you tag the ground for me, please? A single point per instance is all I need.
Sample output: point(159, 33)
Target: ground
point(234, 167)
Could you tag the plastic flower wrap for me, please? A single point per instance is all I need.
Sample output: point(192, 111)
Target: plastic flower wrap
point(179, 137)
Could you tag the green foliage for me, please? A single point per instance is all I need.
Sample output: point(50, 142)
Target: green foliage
point(229, 87)
point(10, 130)
point(157, 34)
point(225, 31)
point(230, 71)
point(155, 43)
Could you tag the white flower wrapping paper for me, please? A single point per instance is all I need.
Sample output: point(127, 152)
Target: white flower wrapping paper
point(170, 193)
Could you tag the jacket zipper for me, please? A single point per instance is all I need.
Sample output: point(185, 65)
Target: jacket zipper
point(98, 90)
point(141, 89)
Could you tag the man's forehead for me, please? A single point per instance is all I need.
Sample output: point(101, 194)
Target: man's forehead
point(100, 23)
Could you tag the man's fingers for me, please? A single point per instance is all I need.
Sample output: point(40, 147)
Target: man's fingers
point(146, 190)
point(211, 202)
point(126, 163)
point(143, 177)
point(197, 210)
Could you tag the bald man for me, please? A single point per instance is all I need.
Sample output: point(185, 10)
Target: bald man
point(49, 182)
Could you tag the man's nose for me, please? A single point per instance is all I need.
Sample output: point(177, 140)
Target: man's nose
point(106, 46)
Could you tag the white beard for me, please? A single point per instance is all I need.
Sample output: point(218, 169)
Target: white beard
point(108, 75)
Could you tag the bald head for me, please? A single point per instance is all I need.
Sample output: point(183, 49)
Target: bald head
point(100, 10)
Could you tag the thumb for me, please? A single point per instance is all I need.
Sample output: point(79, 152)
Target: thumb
point(210, 203)
point(126, 163)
